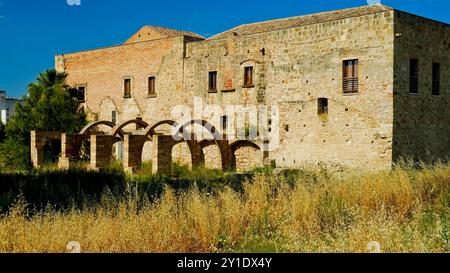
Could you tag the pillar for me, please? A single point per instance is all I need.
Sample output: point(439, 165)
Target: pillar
point(66, 152)
point(37, 152)
point(162, 154)
point(133, 146)
point(101, 151)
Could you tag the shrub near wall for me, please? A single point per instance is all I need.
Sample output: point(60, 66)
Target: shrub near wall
point(80, 188)
point(58, 188)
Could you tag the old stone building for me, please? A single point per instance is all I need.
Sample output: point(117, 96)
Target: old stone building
point(360, 87)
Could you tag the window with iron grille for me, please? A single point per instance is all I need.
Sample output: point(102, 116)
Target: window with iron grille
point(248, 76)
point(436, 85)
point(81, 96)
point(212, 81)
point(414, 76)
point(350, 77)
point(151, 85)
point(127, 88)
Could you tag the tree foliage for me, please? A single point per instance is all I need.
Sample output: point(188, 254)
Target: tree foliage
point(2, 132)
point(48, 106)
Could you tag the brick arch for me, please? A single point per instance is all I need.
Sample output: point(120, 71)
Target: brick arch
point(205, 124)
point(150, 130)
point(95, 124)
point(244, 143)
point(117, 130)
point(219, 139)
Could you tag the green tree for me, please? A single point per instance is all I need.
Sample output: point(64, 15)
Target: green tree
point(48, 106)
point(2, 132)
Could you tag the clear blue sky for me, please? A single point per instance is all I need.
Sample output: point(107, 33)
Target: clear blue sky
point(32, 32)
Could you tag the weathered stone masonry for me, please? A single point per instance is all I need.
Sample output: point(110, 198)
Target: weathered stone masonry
point(296, 61)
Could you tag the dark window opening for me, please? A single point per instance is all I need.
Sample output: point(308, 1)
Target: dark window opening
point(212, 81)
point(81, 96)
point(248, 76)
point(286, 128)
point(322, 108)
point(114, 116)
point(436, 88)
point(414, 76)
point(224, 123)
point(350, 77)
point(127, 88)
point(151, 86)
point(139, 126)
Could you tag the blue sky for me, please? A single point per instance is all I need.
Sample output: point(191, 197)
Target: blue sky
point(32, 32)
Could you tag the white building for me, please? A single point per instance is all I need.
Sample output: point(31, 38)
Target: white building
point(7, 107)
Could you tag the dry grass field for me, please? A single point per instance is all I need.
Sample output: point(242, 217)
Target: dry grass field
point(406, 210)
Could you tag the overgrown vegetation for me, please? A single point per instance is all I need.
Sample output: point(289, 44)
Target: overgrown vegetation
point(307, 210)
point(48, 106)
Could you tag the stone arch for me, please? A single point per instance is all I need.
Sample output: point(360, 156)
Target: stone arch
point(252, 155)
point(105, 108)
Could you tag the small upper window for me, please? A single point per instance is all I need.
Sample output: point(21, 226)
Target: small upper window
point(248, 76)
point(127, 88)
point(212, 81)
point(436, 87)
point(414, 76)
point(322, 106)
point(350, 77)
point(113, 116)
point(151, 86)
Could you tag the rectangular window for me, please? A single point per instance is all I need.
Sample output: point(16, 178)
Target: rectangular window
point(151, 85)
point(414, 76)
point(127, 88)
point(224, 123)
point(248, 76)
point(350, 77)
point(114, 116)
point(81, 96)
point(212, 81)
point(436, 88)
point(322, 108)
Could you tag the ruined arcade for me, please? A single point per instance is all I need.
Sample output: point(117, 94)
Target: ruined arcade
point(360, 87)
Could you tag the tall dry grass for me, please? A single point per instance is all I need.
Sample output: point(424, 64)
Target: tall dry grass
point(405, 210)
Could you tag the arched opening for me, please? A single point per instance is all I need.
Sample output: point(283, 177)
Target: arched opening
point(212, 155)
point(246, 155)
point(181, 159)
point(216, 138)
